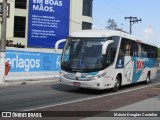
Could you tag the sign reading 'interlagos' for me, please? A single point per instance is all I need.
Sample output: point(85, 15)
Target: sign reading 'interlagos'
point(26, 64)
point(23, 61)
point(48, 22)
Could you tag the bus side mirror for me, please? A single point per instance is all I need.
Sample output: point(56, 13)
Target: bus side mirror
point(105, 45)
point(57, 44)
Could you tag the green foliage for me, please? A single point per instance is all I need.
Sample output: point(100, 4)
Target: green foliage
point(9, 43)
point(111, 24)
point(159, 54)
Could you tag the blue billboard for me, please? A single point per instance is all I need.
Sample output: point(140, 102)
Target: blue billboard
point(23, 61)
point(48, 21)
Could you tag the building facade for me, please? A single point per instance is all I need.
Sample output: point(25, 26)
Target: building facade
point(23, 29)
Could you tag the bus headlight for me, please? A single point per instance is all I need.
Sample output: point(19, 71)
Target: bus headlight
point(101, 75)
point(98, 76)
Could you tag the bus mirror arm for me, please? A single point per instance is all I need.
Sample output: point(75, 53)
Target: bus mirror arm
point(105, 45)
point(57, 44)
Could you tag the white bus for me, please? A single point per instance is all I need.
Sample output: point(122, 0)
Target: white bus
point(102, 59)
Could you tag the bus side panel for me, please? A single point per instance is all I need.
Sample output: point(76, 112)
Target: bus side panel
point(125, 66)
point(153, 73)
point(128, 70)
point(141, 68)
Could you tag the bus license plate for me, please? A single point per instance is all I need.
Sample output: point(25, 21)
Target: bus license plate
point(76, 83)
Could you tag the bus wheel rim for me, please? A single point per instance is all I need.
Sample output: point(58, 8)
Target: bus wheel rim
point(117, 83)
point(147, 78)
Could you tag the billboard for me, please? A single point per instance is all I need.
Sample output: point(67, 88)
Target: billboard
point(25, 61)
point(48, 21)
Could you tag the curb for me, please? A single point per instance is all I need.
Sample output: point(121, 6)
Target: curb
point(28, 82)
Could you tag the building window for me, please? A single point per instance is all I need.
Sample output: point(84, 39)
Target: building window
point(86, 25)
point(21, 4)
point(87, 7)
point(19, 26)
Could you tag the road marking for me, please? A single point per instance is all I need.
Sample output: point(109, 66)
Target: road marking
point(96, 97)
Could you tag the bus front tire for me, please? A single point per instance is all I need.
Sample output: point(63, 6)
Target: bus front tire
point(116, 85)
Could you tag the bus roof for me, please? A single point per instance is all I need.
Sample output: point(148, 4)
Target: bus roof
point(100, 33)
point(104, 33)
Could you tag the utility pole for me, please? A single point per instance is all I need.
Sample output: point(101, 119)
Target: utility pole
point(3, 42)
point(132, 21)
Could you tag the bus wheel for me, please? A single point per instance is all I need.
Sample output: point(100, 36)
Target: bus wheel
point(147, 78)
point(117, 84)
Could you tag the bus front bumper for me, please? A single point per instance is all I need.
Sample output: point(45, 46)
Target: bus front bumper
point(92, 84)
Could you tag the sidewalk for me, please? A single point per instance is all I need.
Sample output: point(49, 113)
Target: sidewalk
point(151, 105)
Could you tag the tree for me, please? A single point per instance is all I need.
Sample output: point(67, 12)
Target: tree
point(159, 54)
point(111, 24)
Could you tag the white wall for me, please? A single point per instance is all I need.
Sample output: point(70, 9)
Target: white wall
point(76, 17)
point(10, 21)
point(19, 59)
point(24, 13)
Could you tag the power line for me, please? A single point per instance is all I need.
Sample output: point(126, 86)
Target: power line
point(132, 21)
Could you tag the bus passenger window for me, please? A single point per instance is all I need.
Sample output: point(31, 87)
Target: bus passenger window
point(121, 50)
point(144, 50)
point(139, 50)
point(128, 49)
point(135, 49)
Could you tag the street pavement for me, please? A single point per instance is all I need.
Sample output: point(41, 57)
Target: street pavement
point(143, 100)
point(151, 105)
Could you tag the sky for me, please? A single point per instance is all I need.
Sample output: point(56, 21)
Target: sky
point(148, 10)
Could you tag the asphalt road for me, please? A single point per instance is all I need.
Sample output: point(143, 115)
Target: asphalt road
point(33, 96)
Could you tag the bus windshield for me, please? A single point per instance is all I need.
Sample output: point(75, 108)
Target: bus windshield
point(83, 54)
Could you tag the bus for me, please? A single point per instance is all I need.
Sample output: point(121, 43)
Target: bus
point(103, 59)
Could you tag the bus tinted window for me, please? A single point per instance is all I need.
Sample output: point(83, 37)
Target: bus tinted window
point(111, 51)
point(126, 47)
point(153, 52)
point(137, 49)
point(145, 50)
